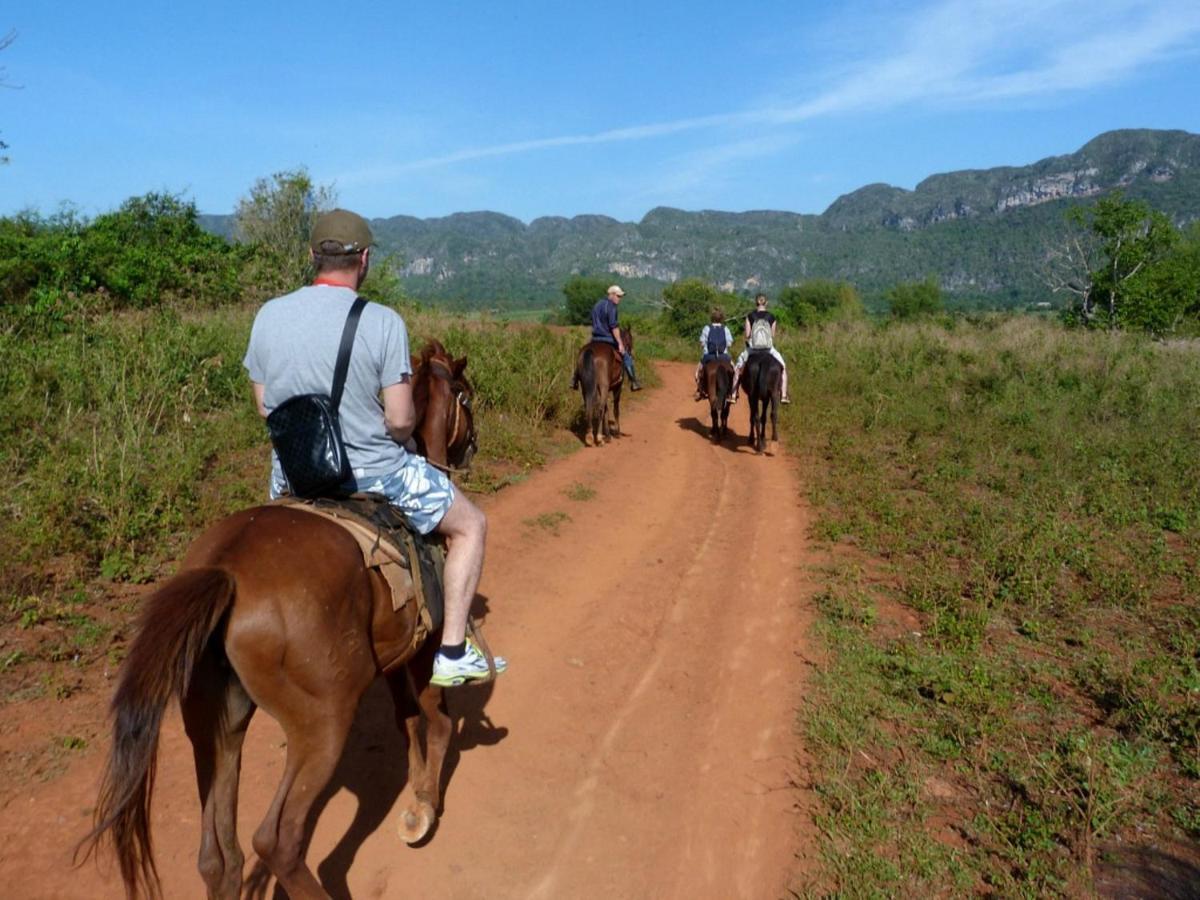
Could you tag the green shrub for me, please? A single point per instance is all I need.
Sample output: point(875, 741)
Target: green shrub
point(910, 300)
point(819, 300)
point(689, 304)
point(581, 293)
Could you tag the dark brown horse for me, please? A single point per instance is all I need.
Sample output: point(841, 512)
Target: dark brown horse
point(600, 374)
point(761, 380)
point(445, 433)
point(273, 607)
point(716, 378)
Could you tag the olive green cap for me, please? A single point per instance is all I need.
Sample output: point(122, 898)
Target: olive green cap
point(349, 231)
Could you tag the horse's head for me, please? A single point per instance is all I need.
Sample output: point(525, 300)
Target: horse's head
point(627, 338)
point(443, 397)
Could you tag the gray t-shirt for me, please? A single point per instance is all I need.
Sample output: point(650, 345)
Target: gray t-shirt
point(293, 349)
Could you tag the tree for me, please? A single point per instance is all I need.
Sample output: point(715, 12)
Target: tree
point(689, 303)
point(820, 300)
point(582, 292)
point(277, 218)
point(5, 42)
point(1128, 267)
point(151, 250)
point(911, 299)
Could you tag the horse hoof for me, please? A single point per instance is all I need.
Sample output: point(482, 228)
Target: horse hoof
point(416, 823)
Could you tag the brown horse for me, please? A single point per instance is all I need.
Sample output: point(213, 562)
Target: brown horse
point(761, 380)
point(599, 372)
point(443, 397)
point(716, 378)
point(273, 607)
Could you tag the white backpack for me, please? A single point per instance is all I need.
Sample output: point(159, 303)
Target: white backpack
point(760, 335)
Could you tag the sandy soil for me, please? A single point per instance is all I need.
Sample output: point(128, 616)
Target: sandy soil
point(642, 743)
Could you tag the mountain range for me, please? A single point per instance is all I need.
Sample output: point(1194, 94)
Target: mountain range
point(983, 233)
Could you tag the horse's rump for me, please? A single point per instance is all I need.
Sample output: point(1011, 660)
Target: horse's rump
point(599, 363)
point(762, 378)
point(410, 562)
point(717, 375)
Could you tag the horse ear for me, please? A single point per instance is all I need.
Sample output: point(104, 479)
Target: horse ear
point(459, 365)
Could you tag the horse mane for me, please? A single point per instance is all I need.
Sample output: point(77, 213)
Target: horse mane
point(433, 347)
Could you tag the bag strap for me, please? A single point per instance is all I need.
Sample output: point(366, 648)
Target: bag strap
point(343, 358)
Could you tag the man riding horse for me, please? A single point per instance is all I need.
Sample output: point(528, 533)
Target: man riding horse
point(293, 345)
point(606, 330)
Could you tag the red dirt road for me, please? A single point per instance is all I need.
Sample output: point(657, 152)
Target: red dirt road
point(642, 743)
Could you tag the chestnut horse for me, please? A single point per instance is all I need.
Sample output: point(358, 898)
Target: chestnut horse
point(445, 433)
point(599, 372)
point(717, 380)
point(272, 607)
point(761, 381)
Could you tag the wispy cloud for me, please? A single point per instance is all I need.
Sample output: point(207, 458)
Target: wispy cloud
point(707, 169)
point(948, 53)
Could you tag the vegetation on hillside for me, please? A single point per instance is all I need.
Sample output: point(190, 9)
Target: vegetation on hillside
point(984, 234)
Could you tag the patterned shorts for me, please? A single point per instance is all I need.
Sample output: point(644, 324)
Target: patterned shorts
point(417, 489)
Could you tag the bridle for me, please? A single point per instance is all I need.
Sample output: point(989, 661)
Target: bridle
point(461, 411)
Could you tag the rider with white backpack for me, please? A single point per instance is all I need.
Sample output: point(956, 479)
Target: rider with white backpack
point(760, 336)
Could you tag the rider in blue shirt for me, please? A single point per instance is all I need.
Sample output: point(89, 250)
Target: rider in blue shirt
point(605, 329)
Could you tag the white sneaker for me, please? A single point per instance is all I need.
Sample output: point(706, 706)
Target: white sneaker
point(472, 666)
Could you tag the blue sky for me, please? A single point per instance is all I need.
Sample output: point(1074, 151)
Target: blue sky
point(540, 108)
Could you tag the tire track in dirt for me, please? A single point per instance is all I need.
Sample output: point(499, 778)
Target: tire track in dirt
point(642, 743)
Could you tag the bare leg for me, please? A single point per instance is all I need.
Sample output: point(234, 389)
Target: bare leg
point(783, 386)
point(465, 529)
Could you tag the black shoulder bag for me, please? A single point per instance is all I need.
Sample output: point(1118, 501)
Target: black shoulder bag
point(306, 433)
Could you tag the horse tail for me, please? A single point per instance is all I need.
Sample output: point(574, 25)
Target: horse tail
point(587, 372)
point(175, 626)
point(724, 381)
